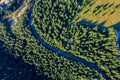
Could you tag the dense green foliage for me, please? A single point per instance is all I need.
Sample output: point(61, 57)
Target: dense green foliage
point(52, 20)
point(97, 45)
point(46, 61)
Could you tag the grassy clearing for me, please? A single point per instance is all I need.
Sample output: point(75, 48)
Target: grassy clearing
point(101, 11)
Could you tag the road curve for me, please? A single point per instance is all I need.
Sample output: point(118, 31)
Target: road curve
point(58, 51)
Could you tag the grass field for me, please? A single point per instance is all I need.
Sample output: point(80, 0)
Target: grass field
point(104, 12)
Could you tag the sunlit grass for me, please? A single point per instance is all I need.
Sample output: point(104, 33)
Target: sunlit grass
point(99, 11)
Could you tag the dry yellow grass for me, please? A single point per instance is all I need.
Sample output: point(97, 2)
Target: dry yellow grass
point(109, 12)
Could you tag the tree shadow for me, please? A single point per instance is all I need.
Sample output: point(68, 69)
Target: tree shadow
point(98, 9)
point(116, 26)
point(15, 5)
point(86, 11)
point(91, 24)
point(118, 6)
point(86, 23)
point(112, 12)
point(12, 68)
point(104, 14)
point(92, 3)
point(8, 23)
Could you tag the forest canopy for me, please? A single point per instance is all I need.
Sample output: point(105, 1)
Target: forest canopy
point(54, 22)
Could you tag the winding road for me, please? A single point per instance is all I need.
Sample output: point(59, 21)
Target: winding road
point(58, 51)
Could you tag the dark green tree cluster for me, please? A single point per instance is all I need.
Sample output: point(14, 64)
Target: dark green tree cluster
point(52, 20)
point(53, 15)
point(96, 44)
point(92, 44)
point(22, 44)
